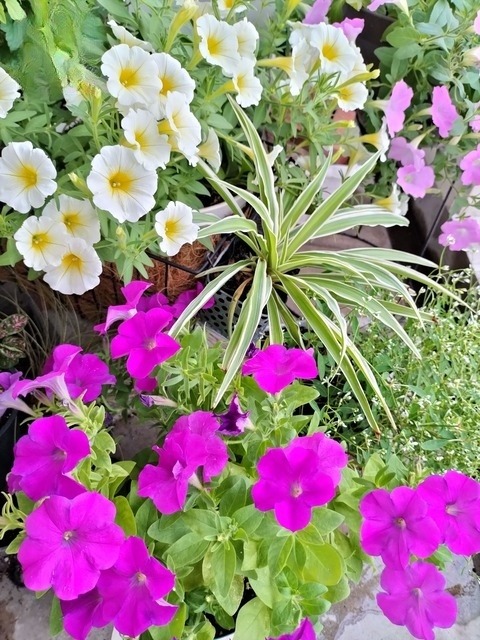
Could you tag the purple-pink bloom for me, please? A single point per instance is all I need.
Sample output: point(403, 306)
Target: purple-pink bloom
point(317, 12)
point(331, 455)
point(405, 152)
point(8, 393)
point(454, 503)
point(416, 598)
point(141, 339)
point(375, 4)
point(45, 455)
point(476, 24)
point(304, 632)
point(185, 298)
point(443, 111)
point(291, 483)
point(416, 179)
point(397, 524)
point(84, 613)
point(475, 123)
point(275, 367)
point(460, 234)
point(68, 543)
point(153, 302)
point(233, 421)
point(470, 165)
point(398, 103)
point(136, 586)
point(132, 293)
point(351, 27)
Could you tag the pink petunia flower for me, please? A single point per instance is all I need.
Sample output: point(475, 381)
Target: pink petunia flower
point(8, 393)
point(233, 421)
point(132, 293)
point(396, 525)
point(375, 4)
point(476, 24)
point(68, 543)
point(444, 113)
point(416, 179)
point(475, 123)
point(141, 339)
point(454, 504)
point(416, 598)
point(317, 12)
point(470, 165)
point(275, 367)
point(136, 586)
point(405, 152)
point(351, 27)
point(45, 455)
point(332, 455)
point(460, 234)
point(304, 632)
point(185, 298)
point(153, 302)
point(292, 482)
point(84, 613)
point(398, 103)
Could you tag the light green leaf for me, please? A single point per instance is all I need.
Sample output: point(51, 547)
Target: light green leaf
point(360, 216)
point(324, 565)
point(253, 621)
point(279, 550)
point(232, 224)
point(124, 517)
point(56, 618)
point(203, 522)
point(188, 550)
point(14, 10)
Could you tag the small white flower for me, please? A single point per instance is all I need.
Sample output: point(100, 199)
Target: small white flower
point(247, 85)
point(151, 149)
point(78, 216)
point(120, 185)
point(299, 66)
point(396, 202)
point(127, 38)
point(41, 241)
point(72, 96)
point(379, 140)
point(9, 92)
point(78, 270)
point(173, 77)
point(132, 75)
point(225, 6)
point(335, 51)
point(175, 226)
point(218, 43)
point(210, 150)
point(247, 38)
point(181, 126)
point(27, 176)
point(351, 96)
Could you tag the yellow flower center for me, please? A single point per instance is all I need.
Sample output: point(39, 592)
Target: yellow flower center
point(120, 180)
point(228, 3)
point(214, 45)
point(72, 220)
point(29, 175)
point(72, 261)
point(141, 138)
point(128, 77)
point(168, 84)
point(40, 241)
point(329, 51)
point(172, 228)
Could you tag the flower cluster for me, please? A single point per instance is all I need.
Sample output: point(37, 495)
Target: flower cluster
point(460, 234)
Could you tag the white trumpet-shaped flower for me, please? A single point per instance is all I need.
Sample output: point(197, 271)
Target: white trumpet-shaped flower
point(175, 226)
point(128, 38)
point(150, 148)
point(9, 92)
point(173, 77)
point(247, 85)
point(78, 216)
point(181, 126)
point(78, 270)
point(218, 43)
point(351, 96)
point(225, 6)
point(132, 75)
point(247, 38)
point(27, 176)
point(41, 241)
point(396, 202)
point(336, 54)
point(121, 185)
point(210, 150)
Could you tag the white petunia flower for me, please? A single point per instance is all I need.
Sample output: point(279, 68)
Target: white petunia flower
point(120, 185)
point(210, 150)
point(181, 126)
point(299, 67)
point(78, 270)
point(335, 51)
point(151, 149)
point(41, 241)
point(27, 176)
point(9, 92)
point(379, 140)
point(78, 216)
point(132, 75)
point(396, 202)
point(225, 6)
point(127, 38)
point(173, 77)
point(218, 43)
point(175, 226)
point(247, 38)
point(351, 96)
point(247, 85)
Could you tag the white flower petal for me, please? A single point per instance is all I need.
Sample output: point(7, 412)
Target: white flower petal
point(151, 148)
point(175, 226)
point(78, 271)
point(78, 216)
point(9, 92)
point(218, 43)
point(41, 241)
point(127, 38)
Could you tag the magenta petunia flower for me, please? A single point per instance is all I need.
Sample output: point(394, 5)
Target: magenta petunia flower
point(233, 421)
point(398, 103)
point(86, 612)
point(460, 234)
point(476, 24)
point(454, 504)
point(331, 455)
point(8, 393)
point(136, 586)
point(185, 298)
point(291, 483)
point(405, 152)
point(416, 179)
point(351, 27)
point(141, 339)
point(153, 302)
point(132, 293)
point(416, 598)
point(68, 543)
point(45, 455)
point(147, 384)
point(275, 367)
point(396, 525)
point(470, 165)
point(304, 632)
point(317, 12)
point(444, 113)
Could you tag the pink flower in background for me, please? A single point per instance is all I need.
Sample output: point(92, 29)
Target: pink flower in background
point(291, 483)
point(375, 4)
point(135, 586)
point(154, 301)
point(68, 544)
point(317, 12)
point(304, 632)
point(141, 339)
point(470, 165)
point(330, 453)
point(351, 27)
point(233, 421)
point(405, 152)
point(459, 234)
point(416, 598)
point(444, 113)
point(397, 524)
point(147, 384)
point(416, 180)
point(84, 613)
point(276, 367)
point(398, 103)
point(185, 298)
point(8, 396)
point(132, 293)
point(43, 457)
point(454, 503)
point(475, 123)
point(476, 24)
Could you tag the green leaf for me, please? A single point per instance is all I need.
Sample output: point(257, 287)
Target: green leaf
point(323, 522)
point(248, 518)
point(324, 565)
point(14, 10)
point(117, 9)
point(360, 216)
point(279, 550)
point(224, 564)
point(203, 522)
point(231, 224)
point(146, 515)
point(233, 495)
point(125, 517)
point(168, 529)
point(56, 617)
point(253, 621)
point(172, 630)
point(189, 550)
